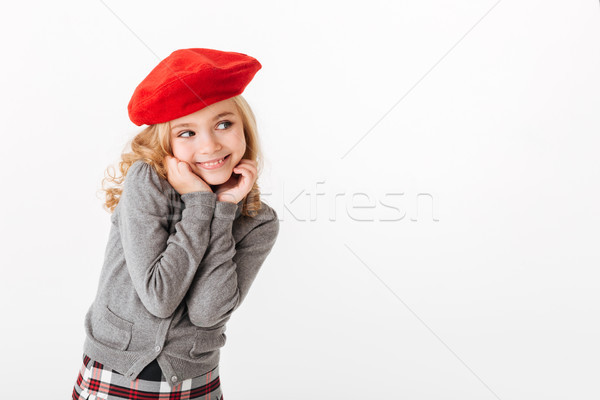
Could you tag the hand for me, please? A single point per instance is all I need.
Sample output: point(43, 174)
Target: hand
point(241, 182)
point(182, 178)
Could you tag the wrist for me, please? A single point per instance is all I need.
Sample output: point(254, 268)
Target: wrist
point(227, 198)
point(225, 210)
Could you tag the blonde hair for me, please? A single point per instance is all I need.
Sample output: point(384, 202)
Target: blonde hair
point(153, 143)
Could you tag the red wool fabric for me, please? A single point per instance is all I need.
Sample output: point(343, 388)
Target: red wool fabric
point(189, 80)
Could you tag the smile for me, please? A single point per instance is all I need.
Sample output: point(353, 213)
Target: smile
point(214, 164)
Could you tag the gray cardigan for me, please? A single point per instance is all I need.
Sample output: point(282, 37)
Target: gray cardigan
point(175, 269)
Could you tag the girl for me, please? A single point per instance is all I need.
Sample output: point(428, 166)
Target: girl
point(189, 234)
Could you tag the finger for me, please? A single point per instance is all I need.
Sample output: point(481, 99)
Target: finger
point(176, 168)
point(239, 169)
point(183, 166)
point(247, 176)
point(173, 166)
point(250, 170)
point(169, 164)
point(248, 163)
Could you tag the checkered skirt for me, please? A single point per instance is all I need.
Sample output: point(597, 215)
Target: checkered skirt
point(96, 382)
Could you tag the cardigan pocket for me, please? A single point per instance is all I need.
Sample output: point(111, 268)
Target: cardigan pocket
point(113, 331)
point(208, 340)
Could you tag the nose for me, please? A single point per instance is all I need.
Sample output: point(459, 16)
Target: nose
point(208, 144)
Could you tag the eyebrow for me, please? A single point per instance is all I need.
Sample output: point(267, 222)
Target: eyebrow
point(187, 124)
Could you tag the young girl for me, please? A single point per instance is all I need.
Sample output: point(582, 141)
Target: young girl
point(189, 234)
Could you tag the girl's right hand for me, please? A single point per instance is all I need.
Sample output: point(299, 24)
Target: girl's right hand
point(182, 178)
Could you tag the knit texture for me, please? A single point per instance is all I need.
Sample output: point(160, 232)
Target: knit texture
point(175, 269)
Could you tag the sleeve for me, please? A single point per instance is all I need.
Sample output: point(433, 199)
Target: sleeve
point(227, 271)
point(161, 266)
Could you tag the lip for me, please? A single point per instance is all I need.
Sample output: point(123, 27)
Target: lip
point(214, 166)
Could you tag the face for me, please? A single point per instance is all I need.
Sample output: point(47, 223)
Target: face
point(209, 135)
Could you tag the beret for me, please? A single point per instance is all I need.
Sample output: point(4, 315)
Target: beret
point(189, 80)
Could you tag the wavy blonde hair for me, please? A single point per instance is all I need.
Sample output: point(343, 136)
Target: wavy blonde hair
point(153, 143)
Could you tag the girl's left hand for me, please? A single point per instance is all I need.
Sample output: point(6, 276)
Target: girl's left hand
point(240, 183)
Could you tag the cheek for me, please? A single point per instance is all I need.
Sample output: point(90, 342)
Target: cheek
point(240, 142)
point(176, 152)
point(179, 151)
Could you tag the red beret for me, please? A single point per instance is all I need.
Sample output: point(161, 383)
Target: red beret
point(189, 80)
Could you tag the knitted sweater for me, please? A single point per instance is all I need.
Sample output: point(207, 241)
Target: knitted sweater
point(175, 269)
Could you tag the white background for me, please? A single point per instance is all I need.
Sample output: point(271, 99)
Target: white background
point(476, 120)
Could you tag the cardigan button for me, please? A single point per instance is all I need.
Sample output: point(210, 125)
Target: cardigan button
point(173, 378)
point(157, 349)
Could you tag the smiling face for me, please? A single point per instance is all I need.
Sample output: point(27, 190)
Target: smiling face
point(210, 134)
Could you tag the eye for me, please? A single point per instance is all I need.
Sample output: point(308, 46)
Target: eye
point(184, 132)
point(225, 122)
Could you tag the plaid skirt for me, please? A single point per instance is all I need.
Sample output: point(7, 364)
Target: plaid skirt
point(96, 382)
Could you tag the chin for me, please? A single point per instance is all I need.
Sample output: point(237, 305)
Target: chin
point(217, 180)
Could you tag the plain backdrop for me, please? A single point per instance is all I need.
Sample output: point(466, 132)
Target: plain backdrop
point(434, 165)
